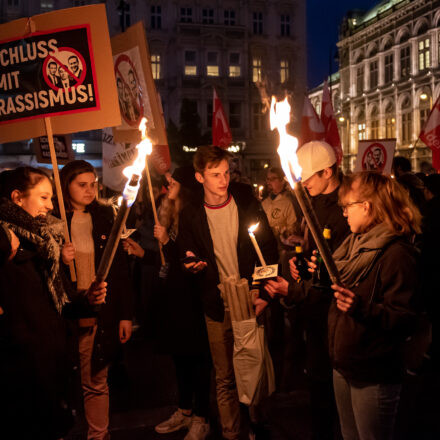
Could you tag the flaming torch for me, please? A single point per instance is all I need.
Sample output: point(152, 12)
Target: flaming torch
point(279, 118)
point(133, 173)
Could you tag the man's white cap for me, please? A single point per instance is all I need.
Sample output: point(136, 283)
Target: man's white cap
point(315, 156)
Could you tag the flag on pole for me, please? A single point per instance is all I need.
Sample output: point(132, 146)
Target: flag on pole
point(221, 133)
point(329, 122)
point(430, 134)
point(311, 126)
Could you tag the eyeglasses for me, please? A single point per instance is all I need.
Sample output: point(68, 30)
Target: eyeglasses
point(347, 205)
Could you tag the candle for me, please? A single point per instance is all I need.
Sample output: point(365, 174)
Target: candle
point(255, 243)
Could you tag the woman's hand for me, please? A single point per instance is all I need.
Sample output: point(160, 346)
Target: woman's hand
point(97, 293)
point(161, 233)
point(312, 263)
point(15, 244)
point(125, 327)
point(280, 287)
point(345, 299)
point(68, 253)
point(133, 248)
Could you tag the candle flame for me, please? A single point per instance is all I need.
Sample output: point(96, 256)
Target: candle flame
point(279, 118)
point(134, 171)
point(252, 228)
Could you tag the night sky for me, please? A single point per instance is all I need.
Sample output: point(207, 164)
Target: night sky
point(323, 20)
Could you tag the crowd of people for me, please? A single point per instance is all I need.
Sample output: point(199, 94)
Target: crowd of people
point(381, 230)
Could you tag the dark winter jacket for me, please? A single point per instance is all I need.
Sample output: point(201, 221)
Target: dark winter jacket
point(194, 236)
point(119, 300)
point(366, 344)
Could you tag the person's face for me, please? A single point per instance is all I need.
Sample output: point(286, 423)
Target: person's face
point(82, 190)
point(316, 184)
point(377, 156)
point(73, 63)
point(63, 73)
point(173, 189)
point(215, 180)
point(132, 81)
point(38, 200)
point(357, 212)
point(274, 183)
point(52, 68)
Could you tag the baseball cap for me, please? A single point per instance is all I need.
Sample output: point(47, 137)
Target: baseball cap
point(315, 156)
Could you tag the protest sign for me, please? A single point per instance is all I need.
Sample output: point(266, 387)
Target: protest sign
point(375, 155)
point(63, 149)
point(137, 94)
point(56, 65)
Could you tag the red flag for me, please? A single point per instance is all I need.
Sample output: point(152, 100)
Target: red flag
point(430, 134)
point(329, 122)
point(221, 133)
point(311, 127)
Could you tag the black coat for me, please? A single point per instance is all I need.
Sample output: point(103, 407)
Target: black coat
point(119, 300)
point(366, 344)
point(194, 235)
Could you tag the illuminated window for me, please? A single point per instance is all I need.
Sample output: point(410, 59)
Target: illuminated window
point(361, 131)
point(424, 110)
point(208, 16)
point(256, 70)
point(390, 122)
point(212, 65)
point(190, 63)
point(257, 23)
point(229, 15)
point(155, 66)
point(405, 61)
point(156, 17)
point(424, 54)
point(46, 5)
point(234, 65)
point(284, 71)
point(389, 68)
point(285, 25)
point(186, 15)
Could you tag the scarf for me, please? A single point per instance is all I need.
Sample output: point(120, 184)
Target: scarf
point(46, 234)
point(357, 254)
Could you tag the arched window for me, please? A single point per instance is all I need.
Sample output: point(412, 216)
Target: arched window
point(390, 121)
point(374, 124)
point(361, 132)
point(406, 133)
point(424, 108)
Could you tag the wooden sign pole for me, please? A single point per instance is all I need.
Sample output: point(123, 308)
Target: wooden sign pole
point(56, 178)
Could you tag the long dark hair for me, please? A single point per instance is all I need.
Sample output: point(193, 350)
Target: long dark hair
point(22, 179)
point(168, 212)
point(68, 173)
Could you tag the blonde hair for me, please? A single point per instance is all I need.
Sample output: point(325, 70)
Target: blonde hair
point(390, 203)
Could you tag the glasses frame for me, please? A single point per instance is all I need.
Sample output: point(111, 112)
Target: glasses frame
point(347, 205)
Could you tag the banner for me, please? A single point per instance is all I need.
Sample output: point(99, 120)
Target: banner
point(312, 128)
point(137, 95)
point(375, 155)
point(221, 133)
point(430, 134)
point(56, 65)
point(115, 157)
point(63, 149)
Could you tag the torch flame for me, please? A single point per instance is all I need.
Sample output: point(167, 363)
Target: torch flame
point(279, 118)
point(134, 171)
point(252, 228)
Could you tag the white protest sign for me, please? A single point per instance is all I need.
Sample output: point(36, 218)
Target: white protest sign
point(375, 155)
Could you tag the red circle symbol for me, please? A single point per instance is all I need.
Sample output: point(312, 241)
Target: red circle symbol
point(374, 157)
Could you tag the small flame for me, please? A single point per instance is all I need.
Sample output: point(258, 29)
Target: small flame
point(252, 228)
point(119, 200)
point(279, 118)
point(145, 147)
point(261, 187)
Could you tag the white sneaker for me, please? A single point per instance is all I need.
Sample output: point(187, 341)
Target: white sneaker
point(177, 421)
point(198, 430)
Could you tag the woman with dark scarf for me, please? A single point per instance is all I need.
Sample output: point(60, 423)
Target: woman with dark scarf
point(376, 305)
point(34, 363)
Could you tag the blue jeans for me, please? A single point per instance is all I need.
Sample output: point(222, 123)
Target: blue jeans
point(366, 411)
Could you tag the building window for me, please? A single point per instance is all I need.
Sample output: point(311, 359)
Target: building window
point(284, 71)
point(361, 131)
point(190, 63)
point(390, 122)
point(389, 68)
point(258, 23)
point(285, 25)
point(75, 2)
point(374, 75)
point(229, 15)
point(405, 62)
point(186, 15)
point(406, 122)
point(235, 114)
point(424, 110)
point(46, 5)
point(209, 115)
point(212, 65)
point(208, 16)
point(155, 66)
point(234, 65)
point(256, 69)
point(156, 17)
point(360, 80)
point(424, 55)
point(258, 117)
point(374, 124)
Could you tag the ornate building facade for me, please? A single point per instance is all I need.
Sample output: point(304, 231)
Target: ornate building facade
point(389, 76)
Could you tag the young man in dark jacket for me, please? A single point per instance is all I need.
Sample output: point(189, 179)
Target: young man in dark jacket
point(320, 178)
point(215, 230)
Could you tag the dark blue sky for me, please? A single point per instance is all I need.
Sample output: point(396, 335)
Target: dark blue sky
point(323, 20)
